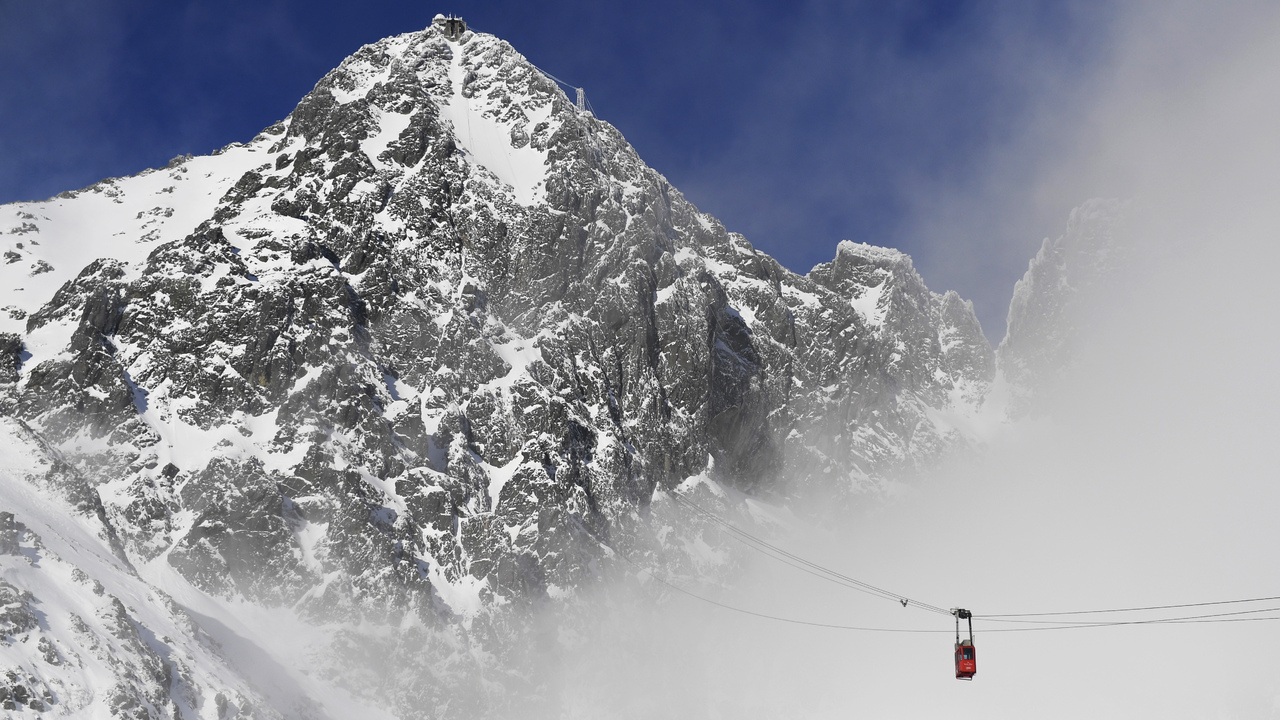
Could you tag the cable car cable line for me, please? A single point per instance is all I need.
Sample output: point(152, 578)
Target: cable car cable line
point(821, 575)
point(965, 651)
point(821, 571)
point(1130, 609)
point(1103, 623)
point(725, 606)
point(1188, 620)
point(832, 575)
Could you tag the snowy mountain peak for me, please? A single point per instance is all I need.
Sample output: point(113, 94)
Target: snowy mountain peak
point(412, 363)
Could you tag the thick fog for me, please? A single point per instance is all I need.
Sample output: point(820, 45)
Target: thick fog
point(1148, 475)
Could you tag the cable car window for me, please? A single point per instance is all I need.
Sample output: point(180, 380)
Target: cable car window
point(968, 654)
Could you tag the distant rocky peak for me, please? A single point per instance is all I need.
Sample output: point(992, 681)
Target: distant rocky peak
point(931, 337)
point(1063, 285)
point(877, 280)
point(860, 253)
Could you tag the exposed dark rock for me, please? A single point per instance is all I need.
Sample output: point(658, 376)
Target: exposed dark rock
point(16, 615)
point(8, 534)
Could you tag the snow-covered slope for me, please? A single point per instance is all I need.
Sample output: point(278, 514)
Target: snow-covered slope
point(80, 633)
point(386, 384)
point(50, 242)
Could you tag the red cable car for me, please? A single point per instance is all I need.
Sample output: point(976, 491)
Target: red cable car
point(966, 654)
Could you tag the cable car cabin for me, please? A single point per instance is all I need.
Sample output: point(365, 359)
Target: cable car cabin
point(966, 654)
point(966, 660)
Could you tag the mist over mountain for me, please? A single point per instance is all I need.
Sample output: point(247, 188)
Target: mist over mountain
point(362, 418)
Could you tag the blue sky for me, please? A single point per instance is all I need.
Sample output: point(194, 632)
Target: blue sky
point(909, 124)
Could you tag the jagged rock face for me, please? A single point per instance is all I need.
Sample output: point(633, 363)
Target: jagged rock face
point(903, 351)
point(1062, 287)
point(441, 339)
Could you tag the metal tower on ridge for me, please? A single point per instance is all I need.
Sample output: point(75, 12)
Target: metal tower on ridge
point(452, 26)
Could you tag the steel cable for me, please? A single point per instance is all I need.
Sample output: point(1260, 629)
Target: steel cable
point(1188, 620)
point(991, 616)
point(821, 571)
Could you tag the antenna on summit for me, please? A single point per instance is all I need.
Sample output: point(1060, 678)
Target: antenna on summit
point(452, 26)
